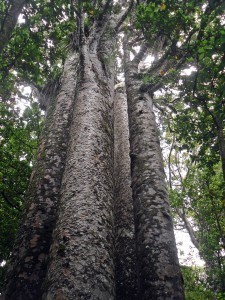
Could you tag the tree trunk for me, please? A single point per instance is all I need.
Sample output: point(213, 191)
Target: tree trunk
point(82, 252)
point(221, 142)
point(125, 254)
point(29, 258)
point(159, 275)
point(9, 21)
point(92, 217)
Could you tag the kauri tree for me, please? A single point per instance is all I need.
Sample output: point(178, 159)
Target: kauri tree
point(81, 237)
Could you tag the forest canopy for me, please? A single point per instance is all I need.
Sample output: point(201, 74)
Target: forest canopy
point(179, 47)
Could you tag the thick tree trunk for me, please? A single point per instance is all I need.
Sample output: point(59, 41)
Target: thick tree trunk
point(8, 22)
point(29, 258)
point(83, 262)
point(82, 252)
point(159, 275)
point(125, 254)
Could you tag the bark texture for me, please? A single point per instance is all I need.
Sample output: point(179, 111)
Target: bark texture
point(8, 22)
point(102, 242)
point(125, 254)
point(82, 254)
point(159, 275)
point(30, 256)
point(221, 142)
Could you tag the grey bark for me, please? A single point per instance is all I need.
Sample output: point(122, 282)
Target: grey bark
point(221, 142)
point(8, 22)
point(189, 229)
point(90, 221)
point(125, 252)
point(82, 253)
point(29, 259)
point(159, 275)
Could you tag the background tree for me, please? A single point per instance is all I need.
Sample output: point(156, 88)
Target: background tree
point(9, 15)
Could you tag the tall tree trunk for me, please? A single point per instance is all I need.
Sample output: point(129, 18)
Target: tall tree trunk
point(82, 252)
point(29, 258)
point(125, 254)
point(8, 22)
point(159, 275)
point(82, 263)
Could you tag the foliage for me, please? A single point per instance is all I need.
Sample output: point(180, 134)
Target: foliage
point(202, 94)
point(38, 44)
point(194, 283)
point(197, 195)
point(19, 134)
point(168, 18)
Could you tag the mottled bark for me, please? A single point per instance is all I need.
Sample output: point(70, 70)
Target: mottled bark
point(125, 254)
point(82, 265)
point(29, 258)
point(8, 22)
point(159, 275)
point(83, 262)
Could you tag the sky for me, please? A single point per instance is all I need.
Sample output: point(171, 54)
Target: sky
point(187, 253)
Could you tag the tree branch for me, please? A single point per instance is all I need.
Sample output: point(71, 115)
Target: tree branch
point(100, 25)
point(9, 22)
point(124, 16)
point(141, 54)
point(104, 10)
point(189, 228)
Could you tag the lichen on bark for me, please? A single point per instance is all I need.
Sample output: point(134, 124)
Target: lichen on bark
point(125, 254)
point(84, 267)
point(85, 236)
point(29, 258)
point(158, 271)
